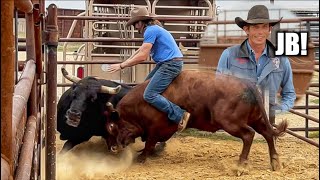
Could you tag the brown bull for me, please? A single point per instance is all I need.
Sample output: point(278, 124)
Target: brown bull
point(214, 101)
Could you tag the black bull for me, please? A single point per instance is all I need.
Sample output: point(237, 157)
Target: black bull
point(80, 110)
point(214, 101)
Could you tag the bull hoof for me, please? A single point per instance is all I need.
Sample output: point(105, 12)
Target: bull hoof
point(141, 158)
point(242, 168)
point(275, 163)
point(159, 147)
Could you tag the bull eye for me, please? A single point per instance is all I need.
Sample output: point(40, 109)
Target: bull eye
point(110, 128)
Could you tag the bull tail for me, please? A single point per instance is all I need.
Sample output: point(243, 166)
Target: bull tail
point(280, 129)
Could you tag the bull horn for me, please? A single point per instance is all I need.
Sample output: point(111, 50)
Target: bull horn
point(110, 90)
point(109, 106)
point(69, 76)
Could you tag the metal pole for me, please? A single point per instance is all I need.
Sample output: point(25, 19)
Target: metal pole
point(7, 82)
point(16, 44)
point(23, 5)
point(52, 35)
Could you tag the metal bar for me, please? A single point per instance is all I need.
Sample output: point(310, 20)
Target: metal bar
point(303, 129)
point(293, 20)
point(23, 5)
point(306, 119)
point(21, 39)
point(21, 94)
point(302, 138)
point(182, 7)
point(52, 43)
point(22, 48)
point(304, 115)
point(36, 152)
point(117, 40)
point(160, 18)
point(118, 5)
point(37, 37)
point(312, 93)
point(304, 107)
point(30, 43)
point(116, 61)
point(16, 32)
point(25, 158)
point(7, 83)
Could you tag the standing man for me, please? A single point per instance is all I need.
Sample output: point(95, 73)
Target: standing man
point(255, 60)
point(160, 44)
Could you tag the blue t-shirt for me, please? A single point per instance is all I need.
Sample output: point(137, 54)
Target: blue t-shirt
point(164, 47)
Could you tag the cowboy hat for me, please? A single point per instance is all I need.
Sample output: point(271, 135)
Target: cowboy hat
point(139, 14)
point(258, 14)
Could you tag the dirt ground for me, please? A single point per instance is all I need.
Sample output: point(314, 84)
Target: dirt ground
point(190, 158)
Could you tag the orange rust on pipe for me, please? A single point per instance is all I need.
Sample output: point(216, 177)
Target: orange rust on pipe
point(7, 79)
point(37, 37)
point(36, 151)
point(23, 5)
point(30, 42)
point(17, 140)
point(21, 94)
point(25, 159)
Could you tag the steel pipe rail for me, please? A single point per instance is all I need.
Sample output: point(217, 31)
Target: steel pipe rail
point(7, 86)
point(302, 138)
point(24, 5)
point(304, 107)
point(51, 40)
point(116, 61)
point(304, 115)
point(21, 94)
point(295, 20)
point(160, 18)
point(116, 40)
point(314, 85)
point(37, 37)
point(23, 171)
point(312, 93)
point(304, 129)
point(30, 42)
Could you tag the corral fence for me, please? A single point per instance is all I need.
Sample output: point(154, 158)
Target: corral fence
point(27, 127)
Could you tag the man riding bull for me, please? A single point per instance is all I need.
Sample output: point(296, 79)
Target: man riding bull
point(255, 60)
point(160, 44)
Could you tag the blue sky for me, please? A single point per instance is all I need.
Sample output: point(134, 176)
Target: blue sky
point(224, 4)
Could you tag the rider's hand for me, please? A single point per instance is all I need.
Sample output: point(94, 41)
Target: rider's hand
point(114, 68)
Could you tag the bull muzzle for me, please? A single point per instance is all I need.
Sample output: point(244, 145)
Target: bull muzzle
point(73, 118)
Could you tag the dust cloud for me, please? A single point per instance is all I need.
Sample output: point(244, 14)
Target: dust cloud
point(92, 159)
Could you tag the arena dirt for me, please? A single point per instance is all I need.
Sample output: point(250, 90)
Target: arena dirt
point(190, 158)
